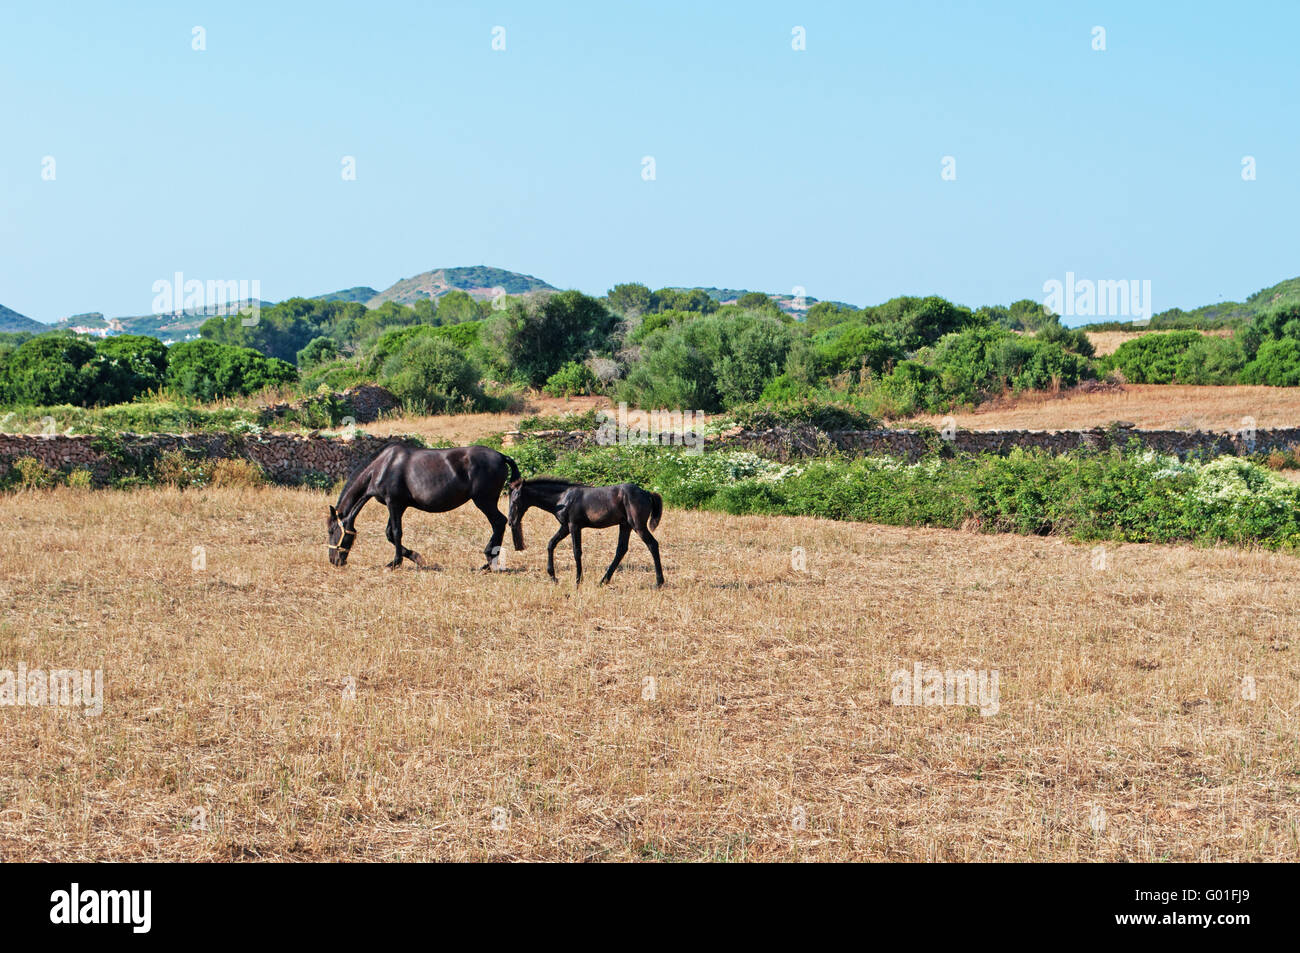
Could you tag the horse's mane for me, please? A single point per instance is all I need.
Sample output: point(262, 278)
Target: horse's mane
point(553, 479)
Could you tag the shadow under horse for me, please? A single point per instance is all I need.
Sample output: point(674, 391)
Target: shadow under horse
point(435, 481)
point(579, 507)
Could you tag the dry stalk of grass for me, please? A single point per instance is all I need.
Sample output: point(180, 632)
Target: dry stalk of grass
point(267, 706)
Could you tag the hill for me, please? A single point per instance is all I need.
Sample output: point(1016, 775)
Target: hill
point(786, 302)
point(169, 327)
point(1223, 314)
point(362, 293)
point(480, 282)
point(11, 320)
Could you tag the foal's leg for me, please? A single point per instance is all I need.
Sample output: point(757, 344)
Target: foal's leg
point(652, 544)
point(394, 533)
point(577, 551)
point(488, 507)
point(624, 533)
point(550, 550)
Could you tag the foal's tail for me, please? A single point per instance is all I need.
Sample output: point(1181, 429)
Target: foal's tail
point(514, 469)
point(656, 509)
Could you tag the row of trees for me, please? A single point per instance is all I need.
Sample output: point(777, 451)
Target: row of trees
point(61, 368)
point(652, 348)
point(1265, 350)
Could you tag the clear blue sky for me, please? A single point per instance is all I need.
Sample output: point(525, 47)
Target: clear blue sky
point(775, 168)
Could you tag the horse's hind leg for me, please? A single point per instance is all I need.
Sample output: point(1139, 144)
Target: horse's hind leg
point(652, 544)
point(493, 551)
point(394, 533)
point(577, 551)
point(624, 533)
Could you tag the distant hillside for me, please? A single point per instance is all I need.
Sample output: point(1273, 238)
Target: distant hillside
point(784, 301)
point(168, 327)
point(363, 294)
point(11, 320)
point(479, 282)
point(1224, 314)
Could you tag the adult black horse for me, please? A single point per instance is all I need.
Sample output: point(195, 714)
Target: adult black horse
point(431, 480)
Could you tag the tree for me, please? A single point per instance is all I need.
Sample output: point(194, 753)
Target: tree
point(755, 301)
point(537, 337)
point(127, 366)
point(457, 306)
point(431, 375)
point(317, 351)
point(206, 370)
point(50, 369)
point(631, 300)
point(693, 299)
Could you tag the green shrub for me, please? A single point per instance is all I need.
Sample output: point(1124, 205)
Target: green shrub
point(709, 362)
point(1131, 495)
point(28, 473)
point(573, 379)
point(205, 370)
point(1153, 358)
point(1277, 363)
point(430, 375)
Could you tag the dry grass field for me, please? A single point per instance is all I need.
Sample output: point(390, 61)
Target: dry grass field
point(469, 428)
point(267, 706)
point(1108, 342)
point(1150, 406)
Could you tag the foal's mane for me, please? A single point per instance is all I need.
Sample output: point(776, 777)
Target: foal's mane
point(553, 479)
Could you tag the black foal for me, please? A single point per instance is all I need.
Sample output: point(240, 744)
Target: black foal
point(579, 507)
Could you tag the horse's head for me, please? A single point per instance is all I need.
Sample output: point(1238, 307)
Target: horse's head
point(518, 506)
point(340, 539)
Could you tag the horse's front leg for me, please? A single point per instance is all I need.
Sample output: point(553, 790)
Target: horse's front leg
point(395, 537)
point(550, 550)
point(624, 532)
point(577, 551)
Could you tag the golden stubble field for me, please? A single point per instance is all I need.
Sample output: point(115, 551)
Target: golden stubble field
point(1149, 406)
point(268, 706)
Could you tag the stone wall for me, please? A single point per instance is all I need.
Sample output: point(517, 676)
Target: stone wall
point(294, 459)
point(911, 444)
point(285, 458)
point(364, 403)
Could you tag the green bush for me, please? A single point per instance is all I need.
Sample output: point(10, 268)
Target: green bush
point(571, 380)
point(205, 370)
point(1277, 363)
point(535, 338)
point(1132, 495)
point(1154, 358)
point(50, 369)
point(127, 366)
point(431, 375)
point(709, 362)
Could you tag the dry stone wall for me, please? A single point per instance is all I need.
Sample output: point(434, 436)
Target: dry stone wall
point(912, 444)
point(314, 458)
point(285, 458)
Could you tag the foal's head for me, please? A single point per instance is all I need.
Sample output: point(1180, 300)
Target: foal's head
point(519, 504)
point(340, 539)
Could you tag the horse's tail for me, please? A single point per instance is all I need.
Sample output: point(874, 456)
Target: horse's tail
point(656, 509)
point(514, 469)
